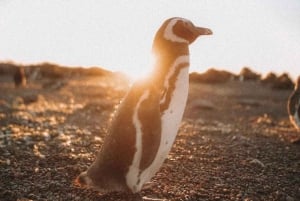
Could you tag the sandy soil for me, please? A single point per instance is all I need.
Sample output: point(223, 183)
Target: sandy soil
point(235, 142)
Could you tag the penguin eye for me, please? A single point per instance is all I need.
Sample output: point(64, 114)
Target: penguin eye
point(187, 24)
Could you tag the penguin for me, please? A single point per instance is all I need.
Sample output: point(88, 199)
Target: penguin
point(294, 105)
point(19, 77)
point(146, 122)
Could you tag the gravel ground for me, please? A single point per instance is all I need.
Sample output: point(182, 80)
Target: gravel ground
point(235, 142)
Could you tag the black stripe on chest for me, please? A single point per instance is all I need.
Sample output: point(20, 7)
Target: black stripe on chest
point(170, 88)
point(293, 103)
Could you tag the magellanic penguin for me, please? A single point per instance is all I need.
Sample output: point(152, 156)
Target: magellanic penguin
point(294, 105)
point(20, 77)
point(146, 122)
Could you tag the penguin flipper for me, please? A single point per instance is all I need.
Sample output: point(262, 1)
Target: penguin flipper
point(150, 118)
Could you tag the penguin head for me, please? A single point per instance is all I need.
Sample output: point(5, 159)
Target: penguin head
point(171, 41)
point(175, 35)
point(181, 30)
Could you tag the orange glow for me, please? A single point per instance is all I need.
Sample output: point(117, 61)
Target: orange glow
point(261, 35)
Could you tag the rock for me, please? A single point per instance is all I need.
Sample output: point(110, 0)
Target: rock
point(289, 198)
point(265, 119)
point(17, 102)
point(32, 98)
point(258, 162)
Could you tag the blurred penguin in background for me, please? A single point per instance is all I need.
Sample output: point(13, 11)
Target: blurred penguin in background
point(294, 105)
point(20, 77)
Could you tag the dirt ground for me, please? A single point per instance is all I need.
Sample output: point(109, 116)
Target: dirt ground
point(235, 142)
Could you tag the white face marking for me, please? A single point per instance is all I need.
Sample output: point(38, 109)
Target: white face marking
point(170, 35)
point(132, 176)
point(171, 118)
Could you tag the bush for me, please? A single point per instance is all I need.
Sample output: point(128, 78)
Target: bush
point(212, 76)
point(283, 82)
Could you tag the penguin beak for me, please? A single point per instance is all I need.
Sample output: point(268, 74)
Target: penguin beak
point(203, 31)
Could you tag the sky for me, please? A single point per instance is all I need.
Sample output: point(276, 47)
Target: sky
point(117, 35)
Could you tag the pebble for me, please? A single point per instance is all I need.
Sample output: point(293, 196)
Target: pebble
point(46, 135)
point(256, 161)
point(8, 162)
point(289, 198)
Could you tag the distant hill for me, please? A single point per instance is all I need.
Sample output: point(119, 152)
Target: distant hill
point(212, 75)
point(53, 71)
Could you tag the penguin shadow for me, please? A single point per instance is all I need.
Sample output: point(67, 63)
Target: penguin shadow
point(126, 196)
point(89, 193)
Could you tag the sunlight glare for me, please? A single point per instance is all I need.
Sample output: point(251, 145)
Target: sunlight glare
point(140, 69)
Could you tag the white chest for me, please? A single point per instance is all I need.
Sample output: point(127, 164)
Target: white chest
point(172, 117)
point(170, 120)
point(176, 85)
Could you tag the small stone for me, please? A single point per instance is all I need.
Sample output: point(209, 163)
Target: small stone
point(256, 161)
point(36, 170)
point(46, 136)
point(289, 198)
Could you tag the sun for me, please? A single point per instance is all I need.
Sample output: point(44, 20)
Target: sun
point(136, 74)
point(140, 68)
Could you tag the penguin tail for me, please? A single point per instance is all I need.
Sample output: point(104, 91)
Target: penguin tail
point(83, 180)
